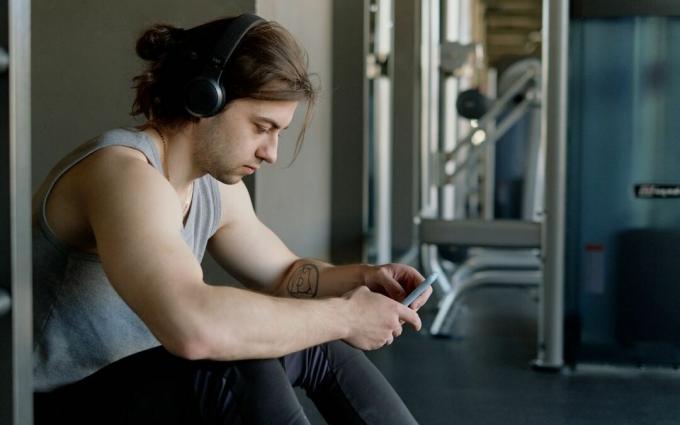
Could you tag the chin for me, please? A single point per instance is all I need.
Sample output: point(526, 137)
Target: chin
point(229, 179)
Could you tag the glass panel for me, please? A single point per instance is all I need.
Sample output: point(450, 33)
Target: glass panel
point(624, 130)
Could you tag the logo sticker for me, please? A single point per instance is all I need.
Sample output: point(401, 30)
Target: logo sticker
point(657, 191)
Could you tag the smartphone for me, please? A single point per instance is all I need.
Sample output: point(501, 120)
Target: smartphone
point(420, 289)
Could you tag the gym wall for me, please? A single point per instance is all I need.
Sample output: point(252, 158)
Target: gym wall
point(295, 201)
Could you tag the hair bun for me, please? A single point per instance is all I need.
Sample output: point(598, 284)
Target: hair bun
point(157, 41)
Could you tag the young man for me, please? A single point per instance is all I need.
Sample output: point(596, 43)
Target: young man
point(120, 228)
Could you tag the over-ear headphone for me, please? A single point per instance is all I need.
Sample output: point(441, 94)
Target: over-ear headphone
point(204, 95)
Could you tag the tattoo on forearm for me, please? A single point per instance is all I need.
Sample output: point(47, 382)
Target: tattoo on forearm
point(305, 282)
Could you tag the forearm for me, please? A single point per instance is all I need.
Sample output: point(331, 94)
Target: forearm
point(239, 324)
point(309, 278)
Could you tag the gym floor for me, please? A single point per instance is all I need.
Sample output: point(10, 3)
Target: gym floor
point(483, 375)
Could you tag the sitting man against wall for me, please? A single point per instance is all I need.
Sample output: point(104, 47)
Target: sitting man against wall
point(126, 329)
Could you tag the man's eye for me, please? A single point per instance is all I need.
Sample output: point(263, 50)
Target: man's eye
point(261, 129)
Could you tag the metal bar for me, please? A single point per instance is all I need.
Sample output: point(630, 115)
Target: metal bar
point(383, 169)
point(426, 165)
point(508, 122)
point(490, 154)
point(554, 123)
point(383, 29)
point(483, 279)
point(382, 107)
point(448, 91)
point(481, 233)
point(497, 259)
point(430, 260)
point(532, 201)
point(429, 103)
point(502, 128)
point(495, 110)
point(20, 208)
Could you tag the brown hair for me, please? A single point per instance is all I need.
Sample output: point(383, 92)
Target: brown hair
point(268, 64)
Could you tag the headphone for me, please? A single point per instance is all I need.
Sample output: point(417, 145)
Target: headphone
point(204, 95)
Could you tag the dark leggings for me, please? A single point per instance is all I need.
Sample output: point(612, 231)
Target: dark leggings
point(155, 387)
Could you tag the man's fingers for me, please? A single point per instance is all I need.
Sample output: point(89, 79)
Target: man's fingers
point(394, 290)
point(422, 299)
point(410, 316)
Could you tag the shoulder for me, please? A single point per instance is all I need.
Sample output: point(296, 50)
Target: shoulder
point(121, 163)
point(115, 178)
point(116, 147)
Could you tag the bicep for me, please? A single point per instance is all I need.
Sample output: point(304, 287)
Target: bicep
point(247, 248)
point(134, 216)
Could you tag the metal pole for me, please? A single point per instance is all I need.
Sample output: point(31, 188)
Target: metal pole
point(430, 91)
point(20, 211)
point(429, 70)
point(425, 155)
point(554, 130)
point(490, 155)
point(383, 155)
point(450, 31)
point(382, 85)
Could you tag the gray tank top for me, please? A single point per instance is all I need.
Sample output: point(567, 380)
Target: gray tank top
point(80, 323)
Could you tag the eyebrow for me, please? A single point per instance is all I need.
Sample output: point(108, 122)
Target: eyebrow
point(269, 121)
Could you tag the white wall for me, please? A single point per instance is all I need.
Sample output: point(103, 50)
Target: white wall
point(295, 201)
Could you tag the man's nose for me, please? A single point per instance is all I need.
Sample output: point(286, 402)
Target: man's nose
point(269, 148)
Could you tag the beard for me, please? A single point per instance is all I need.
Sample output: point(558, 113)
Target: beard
point(213, 153)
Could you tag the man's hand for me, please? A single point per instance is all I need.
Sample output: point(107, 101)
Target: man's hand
point(375, 320)
point(397, 281)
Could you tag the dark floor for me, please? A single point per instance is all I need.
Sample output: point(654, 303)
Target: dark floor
point(483, 375)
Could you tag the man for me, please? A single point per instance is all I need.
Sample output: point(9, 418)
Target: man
point(122, 223)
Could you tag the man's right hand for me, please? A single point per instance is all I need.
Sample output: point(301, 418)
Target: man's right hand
point(376, 320)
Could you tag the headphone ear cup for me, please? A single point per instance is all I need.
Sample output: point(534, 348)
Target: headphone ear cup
point(204, 97)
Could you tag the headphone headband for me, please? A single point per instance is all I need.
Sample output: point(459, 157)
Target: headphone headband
point(205, 95)
point(229, 41)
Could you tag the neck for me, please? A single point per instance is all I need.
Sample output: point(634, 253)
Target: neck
point(176, 156)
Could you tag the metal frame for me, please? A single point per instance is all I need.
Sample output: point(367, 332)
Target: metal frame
point(492, 114)
point(381, 103)
point(515, 264)
point(477, 280)
point(429, 130)
point(16, 389)
point(450, 32)
point(429, 103)
point(554, 131)
point(505, 266)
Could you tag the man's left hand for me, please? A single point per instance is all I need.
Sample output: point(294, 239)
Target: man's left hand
point(397, 281)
